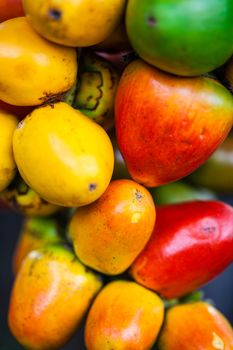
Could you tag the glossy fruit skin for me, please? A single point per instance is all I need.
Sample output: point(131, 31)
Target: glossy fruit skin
point(168, 126)
point(57, 20)
point(109, 234)
point(96, 91)
point(20, 197)
point(180, 192)
point(217, 173)
point(177, 36)
point(124, 316)
point(191, 244)
point(74, 156)
point(52, 288)
point(8, 124)
point(195, 326)
point(35, 234)
point(10, 9)
point(33, 70)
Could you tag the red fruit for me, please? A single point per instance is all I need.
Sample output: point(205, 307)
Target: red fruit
point(10, 9)
point(191, 244)
point(167, 126)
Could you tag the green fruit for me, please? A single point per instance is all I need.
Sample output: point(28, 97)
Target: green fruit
point(178, 192)
point(184, 37)
point(217, 173)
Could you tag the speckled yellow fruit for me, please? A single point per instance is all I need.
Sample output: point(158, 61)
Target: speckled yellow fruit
point(8, 124)
point(75, 23)
point(124, 316)
point(63, 155)
point(51, 295)
point(33, 70)
point(110, 233)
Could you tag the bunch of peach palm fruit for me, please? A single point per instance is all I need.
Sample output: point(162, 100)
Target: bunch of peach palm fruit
point(104, 106)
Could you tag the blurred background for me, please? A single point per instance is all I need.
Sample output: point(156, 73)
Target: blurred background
point(220, 290)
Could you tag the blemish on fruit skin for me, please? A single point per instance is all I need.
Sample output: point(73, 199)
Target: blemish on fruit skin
point(54, 14)
point(217, 342)
point(20, 125)
point(209, 226)
point(151, 21)
point(92, 187)
point(138, 195)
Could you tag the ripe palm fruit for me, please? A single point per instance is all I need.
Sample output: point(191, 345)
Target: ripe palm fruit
point(195, 326)
point(177, 36)
point(7, 164)
point(75, 23)
point(35, 234)
point(96, 91)
point(20, 197)
point(167, 126)
point(124, 316)
point(50, 297)
point(191, 244)
point(74, 156)
point(33, 70)
point(110, 233)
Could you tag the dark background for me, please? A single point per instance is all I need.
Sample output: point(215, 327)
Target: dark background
point(220, 290)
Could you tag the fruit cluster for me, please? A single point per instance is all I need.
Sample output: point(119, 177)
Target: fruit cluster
point(103, 104)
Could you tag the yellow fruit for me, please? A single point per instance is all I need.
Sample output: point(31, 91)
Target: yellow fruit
point(75, 23)
point(33, 70)
point(63, 155)
point(8, 124)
